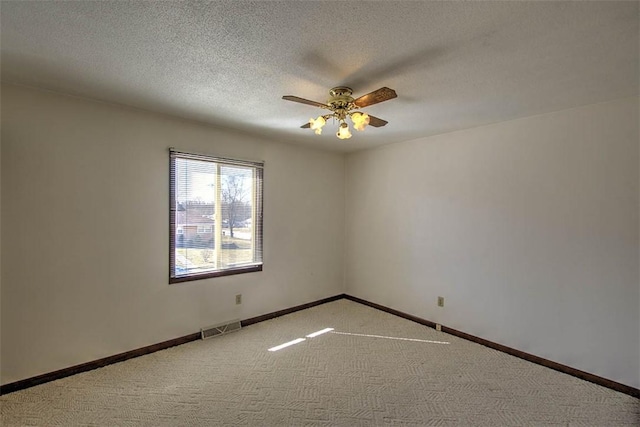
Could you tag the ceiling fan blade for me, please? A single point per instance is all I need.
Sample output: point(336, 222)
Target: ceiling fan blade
point(304, 101)
point(380, 95)
point(376, 122)
point(306, 126)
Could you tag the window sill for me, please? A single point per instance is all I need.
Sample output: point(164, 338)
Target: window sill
point(220, 273)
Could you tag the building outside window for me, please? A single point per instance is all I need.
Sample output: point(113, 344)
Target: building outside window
point(204, 229)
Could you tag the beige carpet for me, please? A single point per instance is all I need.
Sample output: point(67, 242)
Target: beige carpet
point(362, 379)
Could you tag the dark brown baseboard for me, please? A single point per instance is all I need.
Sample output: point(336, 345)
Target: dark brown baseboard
point(290, 310)
point(84, 367)
point(392, 311)
point(89, 366)
point(622, 388)
point(62, 373)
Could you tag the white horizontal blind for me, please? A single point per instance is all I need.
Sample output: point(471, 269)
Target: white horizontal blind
point(206, 158)
point(215, 216)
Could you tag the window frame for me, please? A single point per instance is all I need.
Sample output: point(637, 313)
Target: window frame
point(257, 201)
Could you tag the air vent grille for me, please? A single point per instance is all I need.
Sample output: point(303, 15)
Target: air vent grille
point(223, 328)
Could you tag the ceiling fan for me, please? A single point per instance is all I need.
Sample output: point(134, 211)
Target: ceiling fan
point(342, 105)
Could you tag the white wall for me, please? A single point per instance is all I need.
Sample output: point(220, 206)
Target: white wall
point(85, 231)
point(528, 228)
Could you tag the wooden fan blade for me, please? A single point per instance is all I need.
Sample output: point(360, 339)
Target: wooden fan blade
point(376, 122)
point(380, 95)
point(304, 101)
point(306, 126)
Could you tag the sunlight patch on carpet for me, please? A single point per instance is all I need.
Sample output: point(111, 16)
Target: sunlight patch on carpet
point(320, 332)
point(390, 338)
point(287, 344)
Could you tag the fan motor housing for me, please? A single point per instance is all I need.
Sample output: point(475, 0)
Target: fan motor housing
point(340, 97)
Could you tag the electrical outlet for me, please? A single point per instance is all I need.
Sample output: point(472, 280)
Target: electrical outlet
point(238, 299)
point(440, 301)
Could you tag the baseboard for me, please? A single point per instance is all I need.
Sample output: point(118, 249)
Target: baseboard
point(613, 385)
point(279, 313)
point(62, 373)
point(392, 311)
point(89, 366)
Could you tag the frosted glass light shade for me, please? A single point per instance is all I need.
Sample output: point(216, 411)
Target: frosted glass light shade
point(360, 120)
point(317, 124)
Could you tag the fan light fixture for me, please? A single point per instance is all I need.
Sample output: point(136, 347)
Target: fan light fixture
point(360, 121)
point(343, 131)
point(317, 124)
point(342, 105)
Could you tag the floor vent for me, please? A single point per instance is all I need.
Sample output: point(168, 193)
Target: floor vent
point(223, 328)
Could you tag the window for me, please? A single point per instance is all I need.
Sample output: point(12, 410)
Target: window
point(215, 217)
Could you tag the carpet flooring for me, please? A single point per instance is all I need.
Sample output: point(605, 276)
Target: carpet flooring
point(372, 369)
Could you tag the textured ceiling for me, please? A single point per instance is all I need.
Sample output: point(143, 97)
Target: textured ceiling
point(454, 65)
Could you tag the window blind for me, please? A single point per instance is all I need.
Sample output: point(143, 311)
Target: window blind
point(215, 216)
